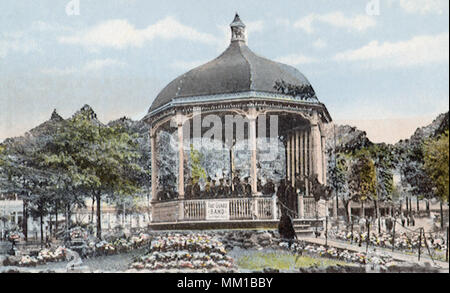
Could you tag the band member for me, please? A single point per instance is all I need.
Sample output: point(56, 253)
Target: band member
point(291, 198)
point(221, 192)
point(213, 189)
point(259, 185)
point(207, 191)
point(247, 188)
point(228, 191)
point(237, 185)
point(300, 186)
point(188, 190)
point(196, 192)
point(269, 188)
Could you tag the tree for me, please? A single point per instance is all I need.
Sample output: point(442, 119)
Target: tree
point(384, 162)
point(436, 160)
point(338, 180)
point(25, 177)
point(362, 177)
point(98, 159)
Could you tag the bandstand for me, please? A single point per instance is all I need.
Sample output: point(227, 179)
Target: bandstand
point(250, 99)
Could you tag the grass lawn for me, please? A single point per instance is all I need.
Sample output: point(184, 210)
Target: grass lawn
point(283, 261)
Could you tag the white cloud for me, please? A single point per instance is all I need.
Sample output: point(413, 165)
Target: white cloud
point(296, 59)
point(337, 19)
point(424, 6)
point(16, 42)
point(120, 34)
point(91, 66)
point(420, 50)
point(320, 44)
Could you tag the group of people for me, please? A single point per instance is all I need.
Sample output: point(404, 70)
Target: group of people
point(286, 192)
point(226, 188)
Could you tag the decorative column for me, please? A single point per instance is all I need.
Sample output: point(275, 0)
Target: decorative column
point(154, 164)
point(302, 153)
point(292, 158)
point(324, 161)
point(316, 148)
point(288, 157)
point(297, 152)
point(301, 208)
point(252, 133)
point(180, 158)
point(180, 121)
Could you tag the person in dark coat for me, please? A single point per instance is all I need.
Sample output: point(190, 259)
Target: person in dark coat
point(300, 186)
point(238, 187)
point(291, 199)
point(196, 191)
point(269, 188)
point(228, 191)
point(281, 195)
point(213, 189)
point(259, 185)
point(247, 188)
point(188, 190)
point(220, 191)
point(236, 183)
point(286, 229)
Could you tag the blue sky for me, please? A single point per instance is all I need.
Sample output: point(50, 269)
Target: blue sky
point(387, 73)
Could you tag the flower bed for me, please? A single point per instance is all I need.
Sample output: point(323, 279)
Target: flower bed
point(57, 254)
point(403, 241)
point(186, 252)
point(339, 254)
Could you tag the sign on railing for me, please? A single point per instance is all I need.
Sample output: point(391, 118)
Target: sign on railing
point(218, 210)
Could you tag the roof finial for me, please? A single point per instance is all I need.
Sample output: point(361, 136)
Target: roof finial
point(238, 32)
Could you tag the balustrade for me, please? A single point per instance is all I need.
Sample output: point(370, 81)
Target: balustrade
point(256, 208)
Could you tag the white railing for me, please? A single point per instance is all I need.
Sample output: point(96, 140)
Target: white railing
point(265, 208)
point(194, 210)
point(241, 209)
point(255, 208)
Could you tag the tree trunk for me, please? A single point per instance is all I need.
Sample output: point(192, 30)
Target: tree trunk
point(92, 209)
point(56, 218)
point(99, 216)
point(347, 211)
point(25, 220)
point(41, 221)
point(418, 205)
point(68, 217)
point(50, 217)
point(442, 216)
point(407, 206)
point(410, 206)
point(362, 213)
point(427, 202)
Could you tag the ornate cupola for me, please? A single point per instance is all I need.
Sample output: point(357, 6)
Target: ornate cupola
point(238, 32)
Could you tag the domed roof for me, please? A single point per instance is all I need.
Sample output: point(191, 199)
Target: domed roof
point(237, 70)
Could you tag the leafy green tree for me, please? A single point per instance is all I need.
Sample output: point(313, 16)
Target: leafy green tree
point(436, 157)
point(362, 177)
point(98, 159)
